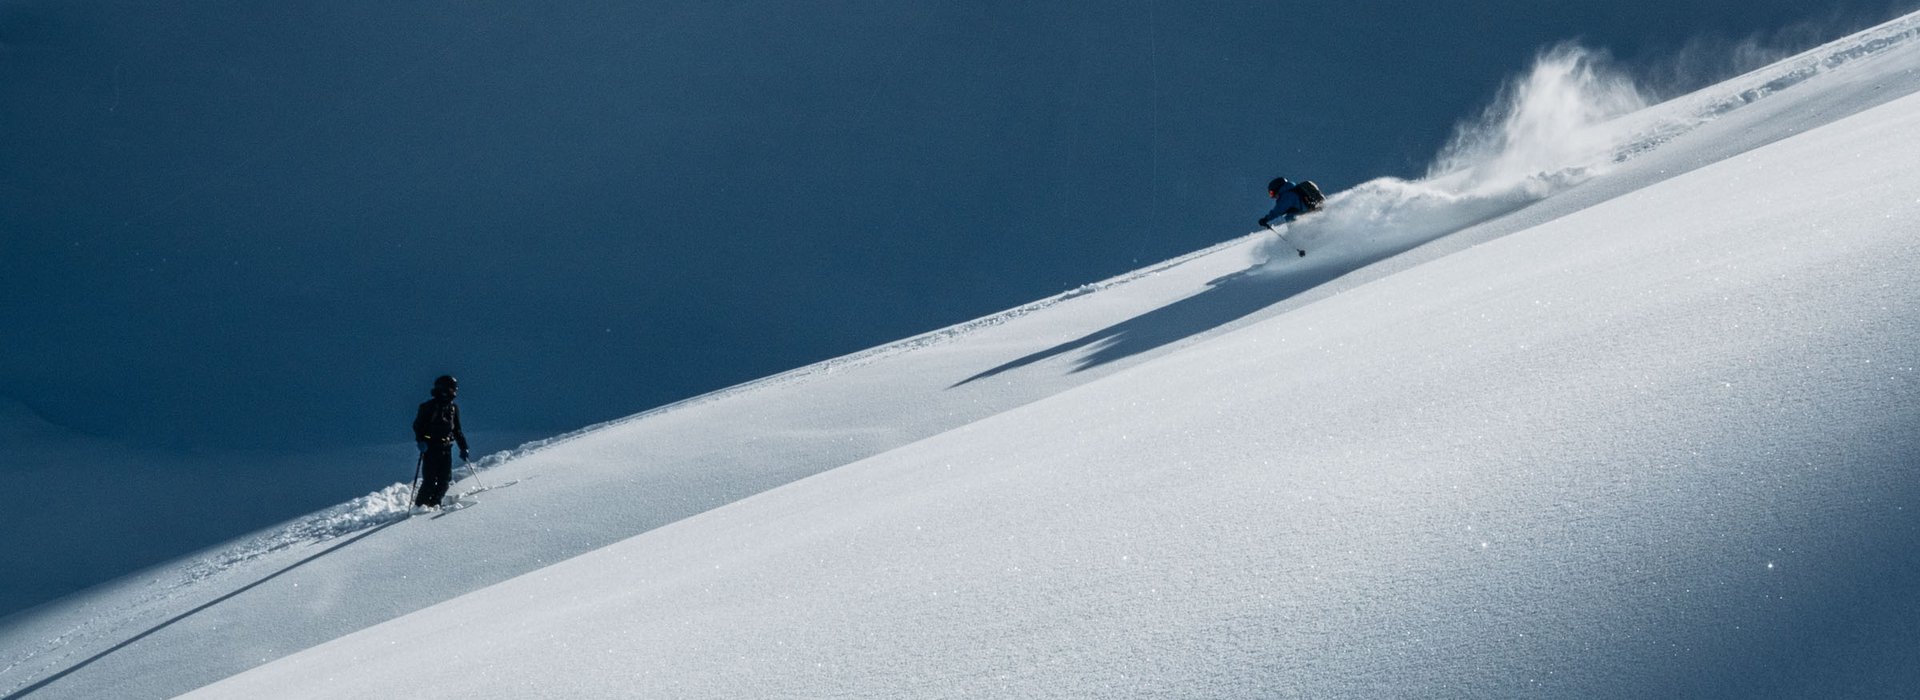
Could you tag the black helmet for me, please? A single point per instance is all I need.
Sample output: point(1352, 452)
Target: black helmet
point(1279, 184)
point(446, 381)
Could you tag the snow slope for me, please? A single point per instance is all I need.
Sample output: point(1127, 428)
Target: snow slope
point(1641, 433)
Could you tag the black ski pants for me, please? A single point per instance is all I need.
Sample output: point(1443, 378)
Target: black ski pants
point(436, 472)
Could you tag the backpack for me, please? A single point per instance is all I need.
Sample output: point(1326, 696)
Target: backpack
point(1310, 195)
point(437, 420)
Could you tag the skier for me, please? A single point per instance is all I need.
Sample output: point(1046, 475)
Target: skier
point(1287, 203)
point(1290, 201)
point(436, 429)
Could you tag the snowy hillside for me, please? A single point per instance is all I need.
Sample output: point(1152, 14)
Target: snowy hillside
point(1630, 418)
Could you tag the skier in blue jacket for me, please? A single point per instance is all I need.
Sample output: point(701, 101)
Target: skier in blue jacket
point(1286, 202)
point(1287, 205)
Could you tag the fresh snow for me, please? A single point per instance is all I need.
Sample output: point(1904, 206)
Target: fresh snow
point(1632, 419)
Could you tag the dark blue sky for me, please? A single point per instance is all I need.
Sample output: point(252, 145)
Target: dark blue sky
point(239, 224)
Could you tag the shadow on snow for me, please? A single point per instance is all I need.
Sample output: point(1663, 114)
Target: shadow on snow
point(1226, 300)
point(44, 682)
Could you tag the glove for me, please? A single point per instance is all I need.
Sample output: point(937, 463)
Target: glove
point(1263, 223)
point(422, 444)
point(463, 454)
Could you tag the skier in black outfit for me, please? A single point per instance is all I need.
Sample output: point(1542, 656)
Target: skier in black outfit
point(436, 429)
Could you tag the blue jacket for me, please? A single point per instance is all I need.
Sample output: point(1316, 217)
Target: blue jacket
point(1286, 205)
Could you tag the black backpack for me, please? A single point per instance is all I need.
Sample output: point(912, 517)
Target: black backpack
point(437, 420)
point(1310, 195)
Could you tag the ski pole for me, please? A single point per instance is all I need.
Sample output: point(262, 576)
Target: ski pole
point(475, 472)
point(417, 462)
point(1284, 239)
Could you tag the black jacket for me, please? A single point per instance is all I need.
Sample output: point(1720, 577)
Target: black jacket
point(438, 423)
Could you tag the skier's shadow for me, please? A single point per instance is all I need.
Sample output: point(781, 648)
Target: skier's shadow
point(1227, 299)
point(44, 682)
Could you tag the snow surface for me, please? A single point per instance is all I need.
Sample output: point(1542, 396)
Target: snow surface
point(1635, 422)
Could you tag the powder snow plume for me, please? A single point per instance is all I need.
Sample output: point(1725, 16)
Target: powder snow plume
point(1548, 130)
point(1551, 122)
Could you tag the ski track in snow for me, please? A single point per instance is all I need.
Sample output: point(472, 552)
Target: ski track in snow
point(1761, 85)
point(387, 505)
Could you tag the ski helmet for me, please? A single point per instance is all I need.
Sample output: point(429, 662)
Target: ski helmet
point(1279, 184)
point(446, 381)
